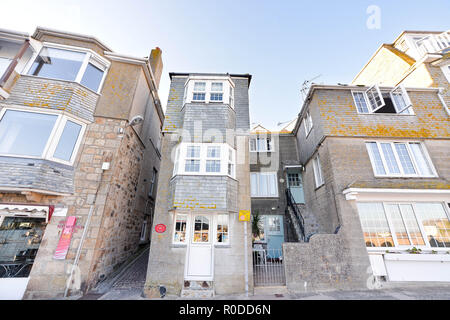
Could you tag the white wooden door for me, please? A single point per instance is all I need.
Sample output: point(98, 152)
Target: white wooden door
point(199, 256)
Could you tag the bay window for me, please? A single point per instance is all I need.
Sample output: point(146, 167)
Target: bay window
point(39, 135)
point(399, 159)
point(405, 225)
point(204, 159)
point(373, 100)
point(264, 184)
point(78, 65)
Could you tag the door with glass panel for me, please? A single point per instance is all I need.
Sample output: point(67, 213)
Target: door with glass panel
point(199, 256)
point(275, 235)
point(294, 183)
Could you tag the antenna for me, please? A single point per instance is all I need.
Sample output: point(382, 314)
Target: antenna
point(306, 85)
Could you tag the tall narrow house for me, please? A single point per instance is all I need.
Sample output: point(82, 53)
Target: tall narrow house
point(79, 159)
point(199, 246)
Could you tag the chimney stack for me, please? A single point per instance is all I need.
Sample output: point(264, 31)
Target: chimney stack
point(156, 64)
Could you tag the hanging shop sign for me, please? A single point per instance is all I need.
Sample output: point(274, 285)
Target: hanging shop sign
point(244, 215)
point(160, 228)
point(66, 236)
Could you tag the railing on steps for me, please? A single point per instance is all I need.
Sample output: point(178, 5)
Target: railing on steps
point(298, 216)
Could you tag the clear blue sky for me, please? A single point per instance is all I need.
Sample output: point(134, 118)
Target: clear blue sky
point(280, 43)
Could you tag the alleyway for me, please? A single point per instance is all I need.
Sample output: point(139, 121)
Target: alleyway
point(129, 285)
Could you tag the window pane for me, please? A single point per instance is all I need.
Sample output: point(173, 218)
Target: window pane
point(192, 166)
point(213, 152)
point(213, 166)
point(253, 144)
point(4, 63)
point(199, 86)
point(393, 212)
point(374, 225)
point(216, 96)
point(20, 238)
point(198, 96)
point(201, 229)
point(360, 101)
point(92, 77)
point(422, 163)
point(435, 223)
point(25, 133)
point(405, 160)
point(57, 64)
point(180, 229)
point(217, 86)
point(222, 228)
point(67, 141)
point(376, 158)
point(254, 184)
point(411, 224)
point(193, 151)
point(262, 144)
point(390, 158)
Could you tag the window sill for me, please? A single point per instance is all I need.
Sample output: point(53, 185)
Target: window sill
point(178, 245)
point(403, 177)
point(222, 246)
point(384, 114)
point(318, 187)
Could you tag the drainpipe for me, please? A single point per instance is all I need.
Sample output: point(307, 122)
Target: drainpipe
point(14, 63)
point(245, 258)
point(77, 257)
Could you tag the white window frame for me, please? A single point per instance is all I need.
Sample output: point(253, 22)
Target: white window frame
point(211, 92)
point(446, 70)
point(228, 90)
point(257, 149)
point(215, 233)
point(400, 89)
point(318, 175)
point(90, 57)
point(55, 135)
point(393, 231)
point(187, 236)
point(307, 123)
point(225, 150)
point(258, 193)
point(194, 91)
point(397, 159)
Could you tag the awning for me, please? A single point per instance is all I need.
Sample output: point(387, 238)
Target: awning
point(25, 211)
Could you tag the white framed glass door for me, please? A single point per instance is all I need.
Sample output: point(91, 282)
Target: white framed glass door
point(199, 256)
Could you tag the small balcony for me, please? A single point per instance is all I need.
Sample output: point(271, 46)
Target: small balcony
point(434, 43)
point(72, 97)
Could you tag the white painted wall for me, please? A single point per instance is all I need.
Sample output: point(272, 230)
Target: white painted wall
point(13, 288)
point(418, 267)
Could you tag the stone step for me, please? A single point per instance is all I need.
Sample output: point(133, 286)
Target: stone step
point(269, 290)
point(197, 293)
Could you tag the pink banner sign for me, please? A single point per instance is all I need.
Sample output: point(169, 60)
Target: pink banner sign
point(64, 241)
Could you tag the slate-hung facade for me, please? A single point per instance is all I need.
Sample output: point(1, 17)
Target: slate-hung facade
point(377, 172)
point(69, 153)
point(204, 182)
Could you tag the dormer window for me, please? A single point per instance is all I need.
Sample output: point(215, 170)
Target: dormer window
point(78, 65)
point(373, 100)
point(220, 90)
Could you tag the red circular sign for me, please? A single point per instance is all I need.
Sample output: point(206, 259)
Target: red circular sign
point(160, 228)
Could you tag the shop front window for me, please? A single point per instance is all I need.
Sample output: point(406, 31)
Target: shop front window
point(20, 238)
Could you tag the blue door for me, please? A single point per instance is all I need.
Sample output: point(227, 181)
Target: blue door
point(295, 185)
point(275, 235)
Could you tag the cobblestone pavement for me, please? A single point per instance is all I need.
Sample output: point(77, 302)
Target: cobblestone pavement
point(130, 284)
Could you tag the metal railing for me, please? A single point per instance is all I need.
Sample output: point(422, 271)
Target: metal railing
point(298, 216)
point(434, 43)
point(268, 268)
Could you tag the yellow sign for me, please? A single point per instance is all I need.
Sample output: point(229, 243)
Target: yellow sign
point(244, 215)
